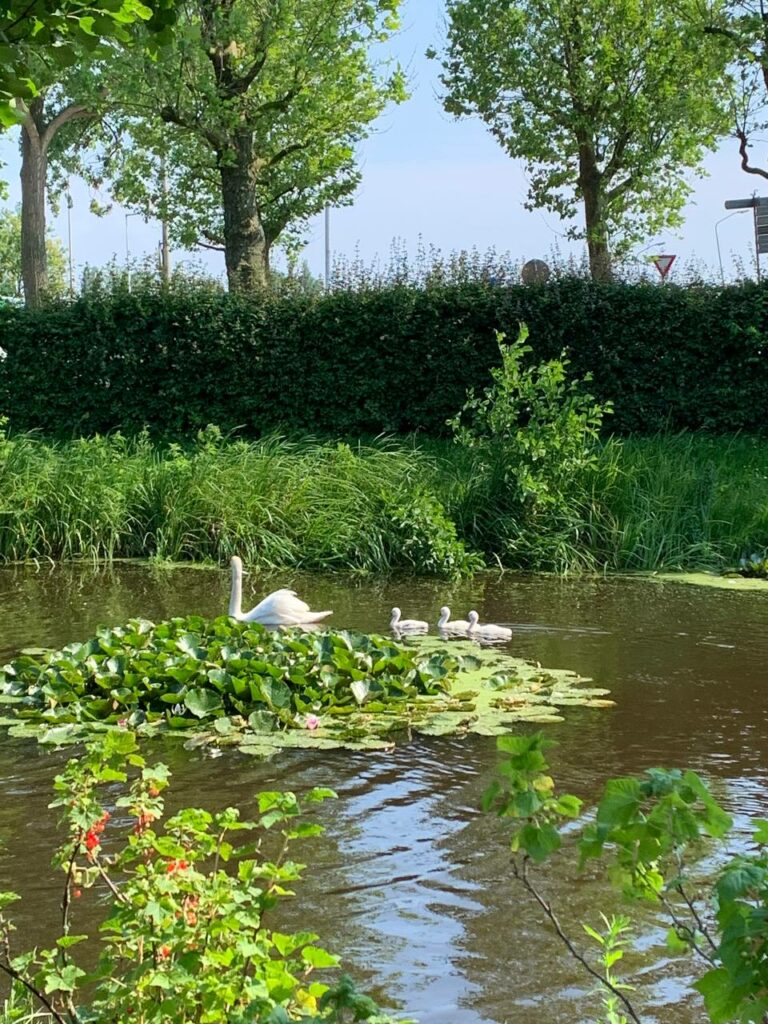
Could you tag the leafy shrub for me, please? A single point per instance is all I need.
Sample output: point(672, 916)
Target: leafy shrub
point(395, 359)
point(418, 528)
point(535, 436)
point(650, 833)
point(188, 902)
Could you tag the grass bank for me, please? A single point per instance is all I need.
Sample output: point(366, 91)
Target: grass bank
point(665, 502)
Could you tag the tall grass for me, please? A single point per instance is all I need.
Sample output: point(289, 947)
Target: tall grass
point(680, 501)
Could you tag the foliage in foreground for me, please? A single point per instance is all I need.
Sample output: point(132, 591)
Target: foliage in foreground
point(188, 934)
point(650, 832)
point(235, 683)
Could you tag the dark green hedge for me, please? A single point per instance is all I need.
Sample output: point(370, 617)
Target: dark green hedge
point(398, 359)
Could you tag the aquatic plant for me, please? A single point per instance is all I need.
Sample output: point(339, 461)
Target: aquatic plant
point(754, 566)
point(184, 936)
point(235, 683)
point(650, 833)
point(685, 502)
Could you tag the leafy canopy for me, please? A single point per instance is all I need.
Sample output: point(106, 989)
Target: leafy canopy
point(628, 82)
point(10, 258)
point(39, 39)
point(286, 88)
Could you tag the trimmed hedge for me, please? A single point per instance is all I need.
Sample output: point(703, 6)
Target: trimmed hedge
point(396, 359)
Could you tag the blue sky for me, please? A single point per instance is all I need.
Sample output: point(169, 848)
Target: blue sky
point(427, 176)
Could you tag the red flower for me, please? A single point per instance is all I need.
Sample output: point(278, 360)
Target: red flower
point(91, 840)
point(164, 952)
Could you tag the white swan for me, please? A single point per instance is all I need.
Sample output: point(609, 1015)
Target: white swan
point(489, 631)
point(280, 608)
point(407, 625)
point(457, 626)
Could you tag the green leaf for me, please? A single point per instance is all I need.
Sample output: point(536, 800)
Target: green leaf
point(539, 841)
point(203, 702)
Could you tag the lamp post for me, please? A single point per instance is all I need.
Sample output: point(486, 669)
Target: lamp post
point(717, 240)
point(127, 250)
point(327, 247)
point(69, 241)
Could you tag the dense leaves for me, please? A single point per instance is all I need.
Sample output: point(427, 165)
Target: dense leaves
point(667, 357)
point(41, 37)
point(609, 102)
point(191, 669)
point(188, 903)
point(241, 684)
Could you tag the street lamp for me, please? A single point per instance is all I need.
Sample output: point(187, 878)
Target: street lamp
point(127, 250)
point(717, 241)
point(327, 247)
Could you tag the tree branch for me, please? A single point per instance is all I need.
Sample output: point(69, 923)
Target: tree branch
point(522, 876)
point(207, 245)
point(281, 154)
point(742, 137)
point(172, 115)
point(74, 110)
point(16, 976)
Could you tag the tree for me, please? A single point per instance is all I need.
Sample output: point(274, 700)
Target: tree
point(44, 44)
point(743, 25)
point(10, 258)
point(608, 102)
point(252, 116)
point(39, 38)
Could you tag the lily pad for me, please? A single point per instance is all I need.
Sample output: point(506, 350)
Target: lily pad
point(225, 683)
point(709, 579)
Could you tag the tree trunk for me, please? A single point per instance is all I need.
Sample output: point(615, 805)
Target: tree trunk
point(34, 164)
point(591, 186)
point(245, 246)
point(36, 137)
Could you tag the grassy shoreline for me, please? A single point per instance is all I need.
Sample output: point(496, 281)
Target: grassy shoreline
point(668, 502)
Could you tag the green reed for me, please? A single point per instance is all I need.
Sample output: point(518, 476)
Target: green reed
point(669, 501)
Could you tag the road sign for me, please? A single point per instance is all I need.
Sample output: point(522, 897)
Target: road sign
point(759, 207)
point(663, 264)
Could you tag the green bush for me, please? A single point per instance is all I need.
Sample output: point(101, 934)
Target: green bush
point(535, 434)
point(394, 359)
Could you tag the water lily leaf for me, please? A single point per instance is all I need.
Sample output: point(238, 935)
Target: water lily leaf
point(202, 702)
point(276, 693)
point(360, 690)
point(262, 721)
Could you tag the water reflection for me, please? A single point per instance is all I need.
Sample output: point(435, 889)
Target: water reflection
point(410, 882)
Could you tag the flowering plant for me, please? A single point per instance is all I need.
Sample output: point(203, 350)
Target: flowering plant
point(185, 939)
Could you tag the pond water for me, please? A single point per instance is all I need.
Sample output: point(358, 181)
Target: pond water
point(411, 883)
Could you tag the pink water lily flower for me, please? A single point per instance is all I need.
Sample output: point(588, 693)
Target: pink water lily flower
point(312, 721)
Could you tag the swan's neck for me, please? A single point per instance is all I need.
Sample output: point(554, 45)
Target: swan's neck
point(236, 593)
point(394, 620)
point(444, 616)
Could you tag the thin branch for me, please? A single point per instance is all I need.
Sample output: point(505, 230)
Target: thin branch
point(16, 976)
point(696, 916)
point(686, 929)
point(65, 901)
point(522, 876)
point(111, 885)
point(206, 245)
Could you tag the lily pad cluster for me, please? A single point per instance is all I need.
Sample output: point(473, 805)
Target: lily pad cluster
point(241, 684)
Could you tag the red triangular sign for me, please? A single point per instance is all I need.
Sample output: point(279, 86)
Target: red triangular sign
point(663, 264)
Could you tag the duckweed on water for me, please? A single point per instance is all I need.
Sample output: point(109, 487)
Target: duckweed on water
point(241, 684)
